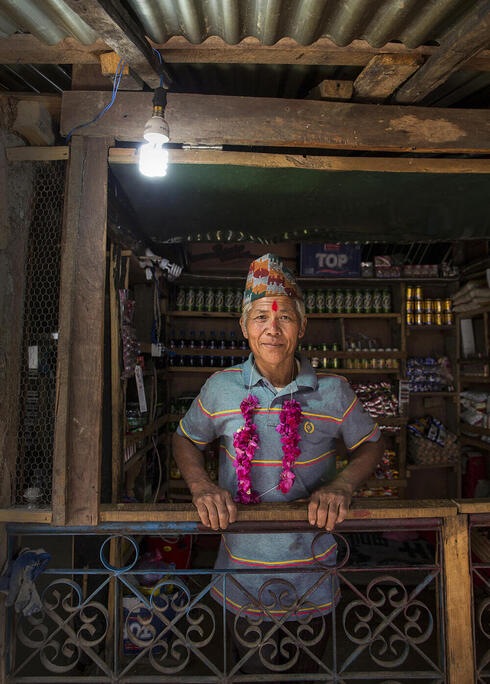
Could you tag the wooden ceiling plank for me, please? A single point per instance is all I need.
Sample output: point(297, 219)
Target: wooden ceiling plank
point(129, 155)
point(24, 48)
point(27, 49)
point(261, 121)
point(461, 44)
point(118, 30)
point(341, 91)
point(383, 75)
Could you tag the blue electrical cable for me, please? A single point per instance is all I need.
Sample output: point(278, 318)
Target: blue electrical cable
point(161, 62)
point(117, 80)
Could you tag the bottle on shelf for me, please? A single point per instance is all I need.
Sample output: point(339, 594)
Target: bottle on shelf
point(233, 344)
point(212, 346)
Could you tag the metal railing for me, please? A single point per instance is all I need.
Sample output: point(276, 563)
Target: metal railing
point(480, 576)
point(99, 624)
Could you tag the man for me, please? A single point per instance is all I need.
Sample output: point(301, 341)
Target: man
point(278, 445)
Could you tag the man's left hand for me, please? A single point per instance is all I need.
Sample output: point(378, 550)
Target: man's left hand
point(329, 505)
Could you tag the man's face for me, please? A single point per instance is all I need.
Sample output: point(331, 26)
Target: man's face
point(273, 329)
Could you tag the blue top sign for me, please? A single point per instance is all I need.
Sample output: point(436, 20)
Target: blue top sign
point(330, 260)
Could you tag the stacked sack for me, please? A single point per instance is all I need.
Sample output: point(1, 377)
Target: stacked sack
point(474, 295)
point(475, 411)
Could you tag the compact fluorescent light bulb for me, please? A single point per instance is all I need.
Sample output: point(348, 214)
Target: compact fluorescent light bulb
point(153, 160)
point(153, 156)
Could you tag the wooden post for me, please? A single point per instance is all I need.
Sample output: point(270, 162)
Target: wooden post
point(116, 389)
point(78, 419)
point(459, 625)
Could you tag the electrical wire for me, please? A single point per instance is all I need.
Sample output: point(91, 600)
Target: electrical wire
point(115, 86)
point(161, 62)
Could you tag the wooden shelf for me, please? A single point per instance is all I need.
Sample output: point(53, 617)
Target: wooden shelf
point(335, 371)
point(409, 328)
point(203, 314)
point(354, 354)
point(434, 394)
point(472, 312)
point(390, 420)
point(147, 431)
point(361, 316)
point(477, 443)
point(479, 379)
point(193, 351)
point(430, 466)
point(475, 429)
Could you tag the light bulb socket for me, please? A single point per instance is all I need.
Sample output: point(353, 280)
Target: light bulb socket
point(159, 99)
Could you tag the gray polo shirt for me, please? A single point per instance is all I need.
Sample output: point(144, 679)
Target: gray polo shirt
point(330, 410)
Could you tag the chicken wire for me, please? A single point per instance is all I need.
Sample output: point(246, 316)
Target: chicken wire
point(40, 338)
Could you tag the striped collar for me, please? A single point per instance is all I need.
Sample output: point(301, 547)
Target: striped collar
point(306, 377)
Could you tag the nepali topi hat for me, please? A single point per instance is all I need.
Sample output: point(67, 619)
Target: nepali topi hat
point(267, 277)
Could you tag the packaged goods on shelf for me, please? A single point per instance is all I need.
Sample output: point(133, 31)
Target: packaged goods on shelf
point(368, 492)
point(387, 266)
point(341, 300)
point(430, 442)
point(473, 295)
point(475, 411)
point(426, 374)
point(210, 299)
point(387, 469)
point(423, 310)
point(420, 271)
point(131, 348)
point(377, 398)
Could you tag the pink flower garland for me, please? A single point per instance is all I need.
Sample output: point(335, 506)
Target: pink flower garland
point(290, 418)
point(246, 442)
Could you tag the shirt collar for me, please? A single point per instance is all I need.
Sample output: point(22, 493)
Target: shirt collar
point(306, 377)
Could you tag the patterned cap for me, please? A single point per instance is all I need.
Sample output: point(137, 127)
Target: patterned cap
point(268, 276)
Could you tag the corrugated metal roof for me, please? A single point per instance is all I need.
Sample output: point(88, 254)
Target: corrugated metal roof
point(48, 20)
point(412, 22)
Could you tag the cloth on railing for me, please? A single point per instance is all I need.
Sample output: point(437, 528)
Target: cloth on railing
point(17, 581)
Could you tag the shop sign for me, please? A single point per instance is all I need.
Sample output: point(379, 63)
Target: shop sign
point(330, 260)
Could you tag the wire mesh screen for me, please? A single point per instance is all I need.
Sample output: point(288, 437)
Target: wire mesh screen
point(40, 338)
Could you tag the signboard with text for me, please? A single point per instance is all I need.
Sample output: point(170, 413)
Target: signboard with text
point(327, 260)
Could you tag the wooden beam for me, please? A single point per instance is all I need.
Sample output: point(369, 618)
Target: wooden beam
point(24, 48)
point(129, 155)
point(463, 42)
point(294, 510)
point(324, 51)
point(118, 30)
point(78, 415)
point(457, 576)
point(341, 91)
point(51, 102)
point(225, 120)
point(34, 123)
point(383, 75)
point(25, 153)
point(24, 515)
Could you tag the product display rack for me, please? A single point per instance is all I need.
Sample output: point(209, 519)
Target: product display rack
point(398, 340)
point(481, 328)
point(435, 340)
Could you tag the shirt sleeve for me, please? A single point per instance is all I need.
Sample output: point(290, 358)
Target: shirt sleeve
point(197, 424)
point(357, 425)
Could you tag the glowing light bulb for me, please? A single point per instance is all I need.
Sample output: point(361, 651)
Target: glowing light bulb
point(153, 156)
point(153, 159)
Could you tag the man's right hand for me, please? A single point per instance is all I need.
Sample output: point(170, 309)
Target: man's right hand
point(215, 506)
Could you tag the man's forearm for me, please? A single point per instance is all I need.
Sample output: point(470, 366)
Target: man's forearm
point(361, 466)
point(190, 462)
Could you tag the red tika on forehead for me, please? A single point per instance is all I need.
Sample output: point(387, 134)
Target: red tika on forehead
point(274, 305)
